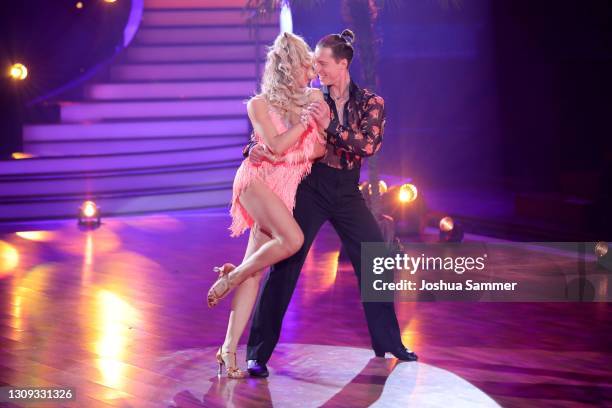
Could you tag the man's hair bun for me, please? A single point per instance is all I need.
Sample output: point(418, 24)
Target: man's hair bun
point(348, 36)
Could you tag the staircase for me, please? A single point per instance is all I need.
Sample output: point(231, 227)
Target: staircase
point(164, 131)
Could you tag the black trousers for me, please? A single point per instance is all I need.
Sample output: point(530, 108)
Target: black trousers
point(325, 194)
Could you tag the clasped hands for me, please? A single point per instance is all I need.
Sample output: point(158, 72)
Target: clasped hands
point(317, 112)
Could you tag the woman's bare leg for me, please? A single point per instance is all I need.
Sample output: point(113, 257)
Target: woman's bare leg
point(271, 216)
point(245, 296)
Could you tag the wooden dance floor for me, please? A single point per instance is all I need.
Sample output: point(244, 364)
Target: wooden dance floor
point(118, 313)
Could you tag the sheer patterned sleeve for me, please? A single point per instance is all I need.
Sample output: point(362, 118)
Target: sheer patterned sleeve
point(367, 139)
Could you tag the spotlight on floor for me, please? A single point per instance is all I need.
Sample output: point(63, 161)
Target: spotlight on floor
point(366, 188)
point(450, 230)
point(408, 193)
point(89, 214)
point(407, 207)
point(382, 187)
point(601, 249)
point(385, 222)
point(604, 256)
point(18, 72)
point(446, 224)
point(363, 186)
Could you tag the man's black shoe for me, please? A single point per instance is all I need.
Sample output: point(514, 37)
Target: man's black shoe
point(401, 353)
point(257, 369)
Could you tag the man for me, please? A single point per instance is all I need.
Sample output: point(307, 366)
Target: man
point(354, 120)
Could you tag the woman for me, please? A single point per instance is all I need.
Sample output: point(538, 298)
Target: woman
point(264, 195)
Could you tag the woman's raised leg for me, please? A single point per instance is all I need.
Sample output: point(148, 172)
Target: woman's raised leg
point(274, 219)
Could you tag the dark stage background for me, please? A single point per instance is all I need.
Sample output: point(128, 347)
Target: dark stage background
point(60, 43)
point(504, 95)
point(497, 110)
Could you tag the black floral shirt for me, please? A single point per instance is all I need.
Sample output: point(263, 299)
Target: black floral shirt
point(360, 135)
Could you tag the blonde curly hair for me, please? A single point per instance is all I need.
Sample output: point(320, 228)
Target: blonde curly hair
point(287, 59)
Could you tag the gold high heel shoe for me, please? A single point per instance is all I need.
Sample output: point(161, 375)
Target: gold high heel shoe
point(232, 370)
point(213, 297)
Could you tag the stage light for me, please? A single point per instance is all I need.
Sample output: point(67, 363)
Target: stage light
point(450, 230)
point(89, 214)
point(286, 20)
point(446, 224)
point(110, 1)
point(89, 209)
point(18, 72)
point(407, 208)
point(601, 249)
point(382, 187)
point(604, 256)
point(365, 186)
point(408, 193)
point(79, 5)
point(20, 155)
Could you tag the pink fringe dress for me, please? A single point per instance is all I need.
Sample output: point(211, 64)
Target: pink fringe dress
point(282, 178)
